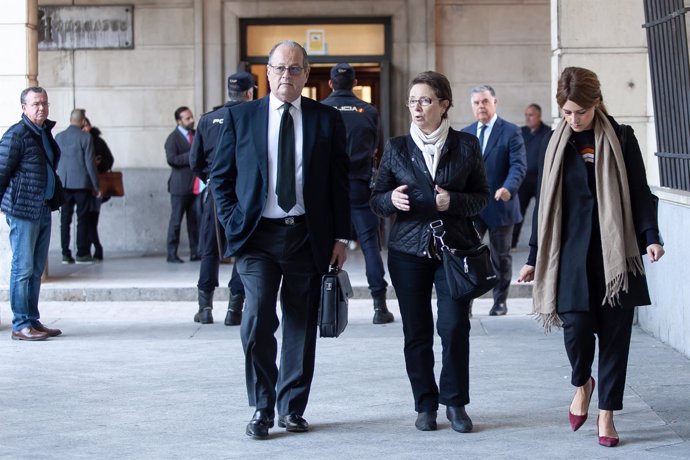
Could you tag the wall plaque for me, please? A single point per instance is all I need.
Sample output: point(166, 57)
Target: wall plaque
point(85, 27)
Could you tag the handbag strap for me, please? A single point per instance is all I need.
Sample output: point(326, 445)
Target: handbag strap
point(439, 232)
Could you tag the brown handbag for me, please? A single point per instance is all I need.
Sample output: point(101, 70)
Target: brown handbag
point(111, 183)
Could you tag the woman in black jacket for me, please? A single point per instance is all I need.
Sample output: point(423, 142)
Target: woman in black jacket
point(595, 215)
point(104, 162)
point(433, 173)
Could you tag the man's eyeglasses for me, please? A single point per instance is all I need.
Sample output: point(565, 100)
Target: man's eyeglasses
point(423, 101)
point(293, 70)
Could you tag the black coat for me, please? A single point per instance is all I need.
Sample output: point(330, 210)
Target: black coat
point(177, 147)
point(460, 171)
point(239, 175)
point(104, 157)
point(362, 127)
point(581, 272)
point(207, 133)
point(23, 173)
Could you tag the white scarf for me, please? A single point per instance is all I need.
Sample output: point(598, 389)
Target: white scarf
point(431, 144)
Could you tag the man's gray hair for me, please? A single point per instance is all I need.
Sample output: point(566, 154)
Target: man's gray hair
point(481, 89)
point(30, 89)
point(291, 44)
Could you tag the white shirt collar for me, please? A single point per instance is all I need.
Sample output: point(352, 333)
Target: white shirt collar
point(275, 103)
point(490, 124)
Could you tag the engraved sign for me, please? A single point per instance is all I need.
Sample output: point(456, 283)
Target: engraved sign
point(85, 27)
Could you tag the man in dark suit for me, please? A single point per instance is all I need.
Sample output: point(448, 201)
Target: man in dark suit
point(533, 134)
point(504, 157)
point(79, 176)
point(181, 185)
point(280, 181)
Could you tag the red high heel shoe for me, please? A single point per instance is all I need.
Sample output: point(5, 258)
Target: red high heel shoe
point(576, 421)
point(606, 441)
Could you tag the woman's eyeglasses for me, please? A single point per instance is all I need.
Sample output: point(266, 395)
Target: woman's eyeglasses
point(423, 101)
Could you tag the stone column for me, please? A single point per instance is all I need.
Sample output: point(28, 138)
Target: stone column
point(19, 35)
point(607, 38)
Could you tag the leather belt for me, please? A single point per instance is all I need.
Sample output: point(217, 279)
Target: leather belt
point(284, 221)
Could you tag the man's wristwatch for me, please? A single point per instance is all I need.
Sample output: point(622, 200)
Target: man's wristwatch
point(341, 240)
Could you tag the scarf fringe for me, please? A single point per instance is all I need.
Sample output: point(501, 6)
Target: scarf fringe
point(619, 283)
point(548, 321)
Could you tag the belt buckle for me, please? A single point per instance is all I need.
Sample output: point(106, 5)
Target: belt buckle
point(289, 220)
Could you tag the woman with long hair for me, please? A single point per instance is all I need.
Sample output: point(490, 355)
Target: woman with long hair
point(595, 216)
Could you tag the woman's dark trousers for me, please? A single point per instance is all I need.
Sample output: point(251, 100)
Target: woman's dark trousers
point(613, 327)
point(413, 278)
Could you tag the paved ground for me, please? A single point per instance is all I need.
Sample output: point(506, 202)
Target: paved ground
point(137, 277)
point(140, 380)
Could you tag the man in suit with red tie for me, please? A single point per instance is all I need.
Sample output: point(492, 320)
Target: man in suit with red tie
point(280, 181)
point(181, 186)
point(504, 157)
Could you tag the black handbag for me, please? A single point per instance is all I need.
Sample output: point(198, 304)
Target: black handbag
point(469, 273)
point(335, 292)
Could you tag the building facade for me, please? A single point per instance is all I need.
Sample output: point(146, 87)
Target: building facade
point(183, 50)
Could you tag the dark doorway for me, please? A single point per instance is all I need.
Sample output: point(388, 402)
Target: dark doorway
point(368, 83)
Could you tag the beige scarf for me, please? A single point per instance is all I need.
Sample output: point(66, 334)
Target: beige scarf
point(431, 145)
point(619, 245)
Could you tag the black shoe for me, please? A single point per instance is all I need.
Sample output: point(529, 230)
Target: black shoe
point(204, 316)
point(381, 313)
point(258, 426)
point(194, 258)
point(293, 423)
point(235, 306)
point(68, 260)
point(459, 419)
point(499, 309)
point(382, 316)
point(233, 318)
point(84, 259)
point(426, 421)
point(175, 260)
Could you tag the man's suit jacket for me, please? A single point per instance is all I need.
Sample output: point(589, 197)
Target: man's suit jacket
point(177, 147)
point(239, 175)
point(77, 167)
point(506, 166)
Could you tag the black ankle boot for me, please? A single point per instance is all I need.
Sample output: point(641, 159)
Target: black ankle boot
point(459, 420)
point(234, 315)
point(205, 313)
point(381, 313)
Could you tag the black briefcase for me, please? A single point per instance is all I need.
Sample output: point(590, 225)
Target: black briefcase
point(335, 292)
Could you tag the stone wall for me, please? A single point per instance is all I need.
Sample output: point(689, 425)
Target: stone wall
point(668, 318)
point(131, 95)
point(502, 43)
point(18, 70)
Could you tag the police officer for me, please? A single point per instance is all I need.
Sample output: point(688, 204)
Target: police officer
point(362, 125)
point(212, 245)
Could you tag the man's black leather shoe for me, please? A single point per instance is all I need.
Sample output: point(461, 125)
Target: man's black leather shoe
point(175, 260)
point(498, 309)
point(258, 426)
point(459, 419)
point(293, 423)
point(426, 421)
